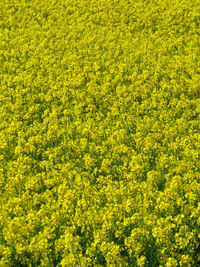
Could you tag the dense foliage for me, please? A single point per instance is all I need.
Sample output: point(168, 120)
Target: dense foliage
point(100, 133)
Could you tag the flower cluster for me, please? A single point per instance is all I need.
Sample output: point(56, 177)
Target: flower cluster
point(100, 133)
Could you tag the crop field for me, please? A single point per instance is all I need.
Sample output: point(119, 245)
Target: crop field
point(99, 133)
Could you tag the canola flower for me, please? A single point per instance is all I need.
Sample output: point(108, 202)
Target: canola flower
point(100, 133)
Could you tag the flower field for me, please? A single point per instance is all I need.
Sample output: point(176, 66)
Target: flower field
point(100, 133)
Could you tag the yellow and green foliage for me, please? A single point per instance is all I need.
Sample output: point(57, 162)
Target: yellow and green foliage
point(100, 133)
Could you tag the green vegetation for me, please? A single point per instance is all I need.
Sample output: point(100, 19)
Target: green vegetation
point(100, 133)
